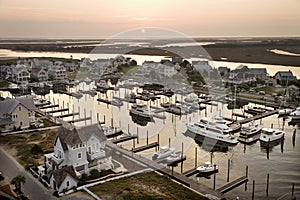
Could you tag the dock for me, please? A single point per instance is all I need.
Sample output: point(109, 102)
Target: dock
point(59, 110)
point(239, 115)
point(68, 115)
point(233, 184)
point(124, 139)
point(48, 106)
point(190, 172)
point(79, 120)
point(256, 117)
point(145, 147)
point(104, 101)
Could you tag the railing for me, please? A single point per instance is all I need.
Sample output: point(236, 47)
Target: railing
point(98, 155)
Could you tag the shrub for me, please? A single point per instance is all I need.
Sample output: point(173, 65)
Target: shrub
point(36, 150)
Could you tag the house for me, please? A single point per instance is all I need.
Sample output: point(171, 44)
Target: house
point(39, 74)
point(16, 113)
point(76, 151)
point(71, 67)
point(283, 77)
point(259, 73)
point(20, 74)
point(203, 67)
point(57, 72)
point(240, 75)
point(224, 71)
point(177, 60)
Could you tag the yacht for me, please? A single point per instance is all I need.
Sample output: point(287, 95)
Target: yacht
point(270, 135)
point(141, 110)
point(247, 132)
point(208, 167)
point(175, 158)
point(296, 114)
point(233, 126)
point(210, 128)
point(111, 131)
point(164, 152)
point(284, 112)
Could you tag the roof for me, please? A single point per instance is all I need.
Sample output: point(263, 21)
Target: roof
point(60, 174)
point(5, 121)
point(258, 71)
point(6, 191)
point(8, 104)
point(72, 136)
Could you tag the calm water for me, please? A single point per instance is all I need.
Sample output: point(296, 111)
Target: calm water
point(282, 162)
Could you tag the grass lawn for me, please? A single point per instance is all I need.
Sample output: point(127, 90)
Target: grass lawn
point(144, 186)
point(269, 90)
point(20, 146)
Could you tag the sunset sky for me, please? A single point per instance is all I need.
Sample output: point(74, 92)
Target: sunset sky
point(99, 18)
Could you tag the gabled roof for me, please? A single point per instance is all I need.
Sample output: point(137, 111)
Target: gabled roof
point(27, 102)
point(5, 121)
point(8, 104)
point(72, 136)
point(257, 71)
point(59, 175)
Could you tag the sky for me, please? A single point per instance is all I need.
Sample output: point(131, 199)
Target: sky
point(101, 19)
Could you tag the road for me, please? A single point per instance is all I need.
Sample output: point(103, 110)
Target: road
point(32, 187)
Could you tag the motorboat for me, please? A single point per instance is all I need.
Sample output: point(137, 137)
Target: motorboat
point(250, 133)
point(141, 110)
point(284, 112)
point(296, 114)
point(255, 110)
point(210, 128)
point(116, 102)
point(175, 158)
point(102, 85)
point(270, 135)
point(112, 131)
point(164, 152)
point(87, 80)
point(208, 167)
point(191, 99)
point(233, 126)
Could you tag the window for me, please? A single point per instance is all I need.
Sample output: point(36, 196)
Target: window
point(19, 108)
point(29, 114)
point(79, 155)
point(21, 123)
point(68, 183)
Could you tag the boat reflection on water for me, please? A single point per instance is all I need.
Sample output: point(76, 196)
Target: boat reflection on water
point(294, 122)
point(208, 144)
point(143, 121)
point(267, 147)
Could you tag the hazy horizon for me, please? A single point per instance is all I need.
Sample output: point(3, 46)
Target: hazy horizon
point(32, 19)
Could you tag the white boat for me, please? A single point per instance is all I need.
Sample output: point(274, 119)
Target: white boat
point(102, 85)
point(270, 135)
point(116, 102)
point(250, 130)
point(233, 126)
point(283, 112)
point(164, 152)
point(87, 80)
point(296, 114)
point(208, 167)
point(209, 128)
point(110, 131)
point(141, 110)
point(191, 99)
point(175, 157)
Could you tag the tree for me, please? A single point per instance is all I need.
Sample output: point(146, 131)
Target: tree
point(17, 181)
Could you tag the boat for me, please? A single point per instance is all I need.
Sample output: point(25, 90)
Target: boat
point(233, 126)
point(178, 110)
point(141, 110)
point(77, 95)
point(191, 99)
point(284, 112)
point(270, 135)
point(208, 167)
point(116, 102)
point(209, 128)
point(167, 104)
point(102, 85)
point(175, 158)
point(255, 110)
point(164, 152)
point(296, 114)
point(248, 133)
point(87, 80)
point(112, 131)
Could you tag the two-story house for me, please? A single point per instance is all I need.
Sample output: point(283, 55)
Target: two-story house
point(39, 74)
point(16, 113)
point(81, 149)
point(20, 74)
point(57, 72)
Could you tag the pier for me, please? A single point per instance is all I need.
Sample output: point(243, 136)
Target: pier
point(256, 117)
point(59, 110)
point(145, 147)
point(68, 115)
point(233, 184)
point(124, 139)
point(48, 106)
point(79, 120)
point(190, 172)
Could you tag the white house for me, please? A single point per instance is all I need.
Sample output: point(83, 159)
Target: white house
point(20, 74)
point(39, 73)
point(81, 149)
point(63, 179)
point(57, 72)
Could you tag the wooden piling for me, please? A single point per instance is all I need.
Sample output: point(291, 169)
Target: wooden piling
point(253, 189)
point(293, 188)
point(147, 138)
point(196, 157)
point(181, 170)
point(228, 170)
point(137, 133)
point(267, 189)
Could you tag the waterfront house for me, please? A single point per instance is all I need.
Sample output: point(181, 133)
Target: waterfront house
point(63, 179)
point(39, 74)
point(224, 71)
point(41, 63)
point(282, 77)
point(20, 74)
point(71, 67)
point(16, 113)
point(240, 75)
point(76, 151)
point(259, 73)
point(57, 72)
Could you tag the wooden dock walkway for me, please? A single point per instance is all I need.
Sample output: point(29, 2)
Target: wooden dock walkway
point(79, 120)
point(68, 115)
point(145, 147)
point(239, 115)
point(48, 106)
point(260, 116)
point(124, 139)
point(59, 110)
point(193, 184)
point(233, 184)
point(190, 172)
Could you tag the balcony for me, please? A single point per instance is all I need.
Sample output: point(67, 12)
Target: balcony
point(97, 155)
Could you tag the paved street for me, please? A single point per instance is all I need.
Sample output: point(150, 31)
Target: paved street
point(32, 188)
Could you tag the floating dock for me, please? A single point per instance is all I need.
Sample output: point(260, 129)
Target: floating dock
point(190, 172)
point(124, 139)
point(59, 110)
point(145, 147)
point(256, 117)
point(233, 184)
point(49, 106)
point(68, 115)
point(79, 120)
